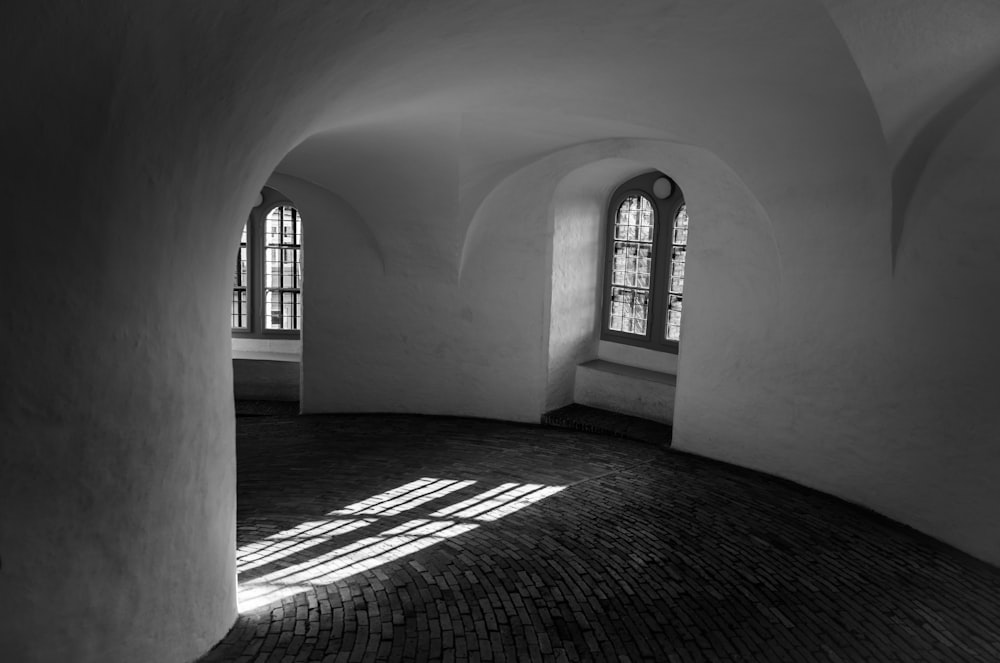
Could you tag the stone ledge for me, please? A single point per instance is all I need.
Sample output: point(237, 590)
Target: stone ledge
point(265, 355)
point(629, 390)
point(629, 371)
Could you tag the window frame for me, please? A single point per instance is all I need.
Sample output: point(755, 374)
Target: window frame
point(664, 215)
point(256, 257)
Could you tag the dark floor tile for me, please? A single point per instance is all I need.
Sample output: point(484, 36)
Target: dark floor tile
point(519, 543)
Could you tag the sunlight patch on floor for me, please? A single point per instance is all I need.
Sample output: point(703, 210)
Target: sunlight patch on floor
point(370, 552)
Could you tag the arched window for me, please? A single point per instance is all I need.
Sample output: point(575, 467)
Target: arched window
point(267, 286)
point(646, 257)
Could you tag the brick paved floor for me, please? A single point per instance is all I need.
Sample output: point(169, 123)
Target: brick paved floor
point(370, 538)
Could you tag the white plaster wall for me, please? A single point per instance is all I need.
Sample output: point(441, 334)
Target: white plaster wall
point(132, 159)
point(918, 56)
point(800, 357)
point(940, 412)
point(733, 241)
point(281, 349)
point(926, 63)
point(579, 217)
point(578, 205)
point(892, 405)
point(662, 362)
point(116, 495)
point(619, 389)
point(393, 342)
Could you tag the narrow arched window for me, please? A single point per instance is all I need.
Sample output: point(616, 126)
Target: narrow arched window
point(645, 263)
point(267, 286)
point(283, 269)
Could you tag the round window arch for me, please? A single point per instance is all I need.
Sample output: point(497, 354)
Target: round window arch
point(267, 285)
point(645, 262)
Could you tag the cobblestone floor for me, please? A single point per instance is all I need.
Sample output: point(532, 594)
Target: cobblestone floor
point(368, 538)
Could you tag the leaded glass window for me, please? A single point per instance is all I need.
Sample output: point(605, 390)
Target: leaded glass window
point(632, 267)
point(646, 262)
point(678, 260)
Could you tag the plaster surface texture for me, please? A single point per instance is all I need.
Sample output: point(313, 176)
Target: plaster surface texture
point(429, 145)
point(131, 169)
point(625, 389)
point(578, 206)
point(616, 353)
point(461, 313)
point(375, 341)
point(918, 56)
point(927, 64)
point(280, 349)
point(951, 228)
point(579, 211)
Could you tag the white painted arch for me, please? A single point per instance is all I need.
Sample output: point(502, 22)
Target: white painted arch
point(145, 130)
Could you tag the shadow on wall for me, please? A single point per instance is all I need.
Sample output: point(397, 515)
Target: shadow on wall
point(735, 267)
point(913, 164)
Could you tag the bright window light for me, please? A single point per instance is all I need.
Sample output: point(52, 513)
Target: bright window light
point(370, 552)
point(404, 498)
point(286, 543)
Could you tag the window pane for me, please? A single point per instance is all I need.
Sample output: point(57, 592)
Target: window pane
point(681, 220)
point(240, 277)
point(678, 262)
point(240, 313)
point(629, 310)
point(631, 265)
point(282, 269)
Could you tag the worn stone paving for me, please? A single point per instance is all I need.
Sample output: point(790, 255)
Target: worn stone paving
point(404, 538)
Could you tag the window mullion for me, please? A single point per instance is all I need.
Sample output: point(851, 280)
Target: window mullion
point(661, 271)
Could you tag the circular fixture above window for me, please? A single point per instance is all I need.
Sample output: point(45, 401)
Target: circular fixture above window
point(662, 188)
point(260, 199)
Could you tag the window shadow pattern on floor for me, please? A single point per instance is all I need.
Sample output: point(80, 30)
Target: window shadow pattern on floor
point(324, 551)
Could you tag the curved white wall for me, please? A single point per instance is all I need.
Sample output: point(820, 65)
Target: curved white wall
point(432, 136)
point(579, 204)
point(389, 340)
point(133, 157)
point(942, 416)
point(736, 263)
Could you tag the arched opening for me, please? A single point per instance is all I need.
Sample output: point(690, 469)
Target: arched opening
point(267, 305)
point(616, 293)
point(645, 261)
point(731, 269)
